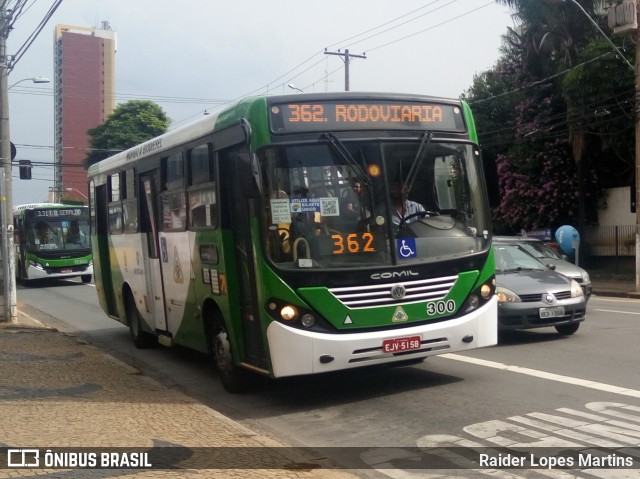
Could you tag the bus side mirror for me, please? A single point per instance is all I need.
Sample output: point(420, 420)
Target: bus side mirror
point(248, 175)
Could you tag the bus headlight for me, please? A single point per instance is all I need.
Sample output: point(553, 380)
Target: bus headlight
point(479, 296)
point(35, 265)
point(297, 316)
point(308, 320)
point(485, 291)
point(288, 313)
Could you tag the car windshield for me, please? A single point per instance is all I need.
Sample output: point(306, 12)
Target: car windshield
point(540, 249)
point(369, 203)
point(509, 258)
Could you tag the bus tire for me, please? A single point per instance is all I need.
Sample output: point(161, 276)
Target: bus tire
point(86, 278)
point(567, 329)
point(233, 378)
point(141, 338)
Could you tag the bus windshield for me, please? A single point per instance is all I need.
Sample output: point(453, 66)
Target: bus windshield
point(50, 234)
point(371, 203)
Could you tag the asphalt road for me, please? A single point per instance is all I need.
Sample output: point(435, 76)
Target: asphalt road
point(533, 389)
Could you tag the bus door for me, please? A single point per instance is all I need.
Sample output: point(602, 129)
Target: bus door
point(242, 210)
point(149, 186)
point(102, 272)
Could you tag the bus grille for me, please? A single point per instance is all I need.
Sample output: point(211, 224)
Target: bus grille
point(356, 297)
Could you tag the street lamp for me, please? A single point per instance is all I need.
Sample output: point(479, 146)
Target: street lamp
point(34, 80)
point(77, 191)
point(293, 87)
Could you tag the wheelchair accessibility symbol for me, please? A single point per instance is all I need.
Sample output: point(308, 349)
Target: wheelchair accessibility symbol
point(406, 248)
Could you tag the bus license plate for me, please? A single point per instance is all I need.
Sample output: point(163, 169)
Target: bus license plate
point(66, 271)
point(398, 345)
point(551, 312)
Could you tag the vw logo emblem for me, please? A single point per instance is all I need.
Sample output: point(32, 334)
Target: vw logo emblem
point(549, 298)
point(398, 291)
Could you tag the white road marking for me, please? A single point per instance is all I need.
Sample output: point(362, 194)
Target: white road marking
point(616, 311)
point(616, 300)
point(545, 375)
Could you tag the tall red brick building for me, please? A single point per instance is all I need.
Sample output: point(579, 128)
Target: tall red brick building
point(84, 96)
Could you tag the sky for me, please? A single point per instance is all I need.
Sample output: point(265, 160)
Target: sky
point(198, 55)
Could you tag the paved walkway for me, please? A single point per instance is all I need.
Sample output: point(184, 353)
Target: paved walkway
point(57, 391)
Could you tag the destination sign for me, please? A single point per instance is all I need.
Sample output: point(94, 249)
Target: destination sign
point(51, 213)
point(368, 115)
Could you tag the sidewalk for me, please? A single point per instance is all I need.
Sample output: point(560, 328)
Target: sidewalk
point(617, 286)
point(56, 391)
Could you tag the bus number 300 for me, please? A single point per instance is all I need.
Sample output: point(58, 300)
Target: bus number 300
point(441, 307)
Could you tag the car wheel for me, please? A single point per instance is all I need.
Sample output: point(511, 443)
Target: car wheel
point(233, 378)
point(140, 338)
point(567, 329)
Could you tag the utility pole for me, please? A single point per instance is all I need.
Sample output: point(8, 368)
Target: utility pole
point(346, 57)
point(8, 259)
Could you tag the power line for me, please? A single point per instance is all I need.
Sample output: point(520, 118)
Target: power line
point(389, 22)
point(25, 46)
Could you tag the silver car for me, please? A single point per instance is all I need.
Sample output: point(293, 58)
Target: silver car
point(531, 295)
point(550, 258)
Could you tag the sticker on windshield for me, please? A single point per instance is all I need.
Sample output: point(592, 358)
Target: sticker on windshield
point(280, 211)
point(406, 248)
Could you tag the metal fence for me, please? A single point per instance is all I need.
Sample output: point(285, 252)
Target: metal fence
point(609, 249)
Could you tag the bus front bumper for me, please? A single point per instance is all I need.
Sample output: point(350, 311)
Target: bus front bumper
point(34, 272)
point(297, 352)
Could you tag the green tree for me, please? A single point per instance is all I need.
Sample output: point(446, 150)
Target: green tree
point(131, 123)
point(546, 153)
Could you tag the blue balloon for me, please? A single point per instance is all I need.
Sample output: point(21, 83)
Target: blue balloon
point(568, 239)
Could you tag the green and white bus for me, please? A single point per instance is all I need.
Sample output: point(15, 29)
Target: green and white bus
point(267, 235)
point(52, 241)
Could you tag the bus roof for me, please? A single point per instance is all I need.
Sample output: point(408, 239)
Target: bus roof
point(33, 206)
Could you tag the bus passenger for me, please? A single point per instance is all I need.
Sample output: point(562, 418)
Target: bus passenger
point(352, 200)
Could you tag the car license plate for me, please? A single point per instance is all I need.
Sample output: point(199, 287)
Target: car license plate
point(398, 345)
point(551, 312)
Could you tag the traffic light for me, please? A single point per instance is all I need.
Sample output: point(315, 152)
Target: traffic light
point(25, 169)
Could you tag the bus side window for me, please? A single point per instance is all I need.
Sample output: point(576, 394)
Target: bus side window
point(203, 211)
point(129, 203)
point(202, 208)
point(115, 207)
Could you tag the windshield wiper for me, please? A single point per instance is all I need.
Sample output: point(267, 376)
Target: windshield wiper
point(425, 140)
point(344, 153)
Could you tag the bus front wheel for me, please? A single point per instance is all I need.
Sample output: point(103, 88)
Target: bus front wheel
point(141, 339)
point(86, 278)
point(233, 378)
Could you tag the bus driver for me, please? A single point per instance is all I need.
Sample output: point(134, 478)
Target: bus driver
point(402, 206)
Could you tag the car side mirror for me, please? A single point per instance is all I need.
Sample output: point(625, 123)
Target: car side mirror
point(551, 266)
